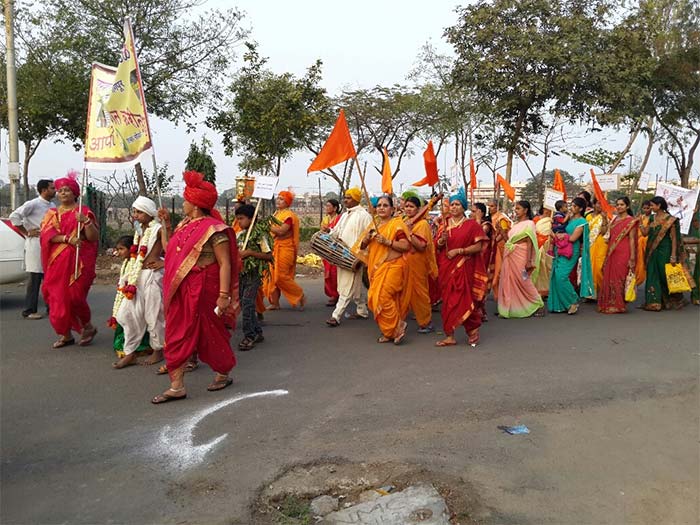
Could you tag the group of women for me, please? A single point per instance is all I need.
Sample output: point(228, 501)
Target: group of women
point(458, 261)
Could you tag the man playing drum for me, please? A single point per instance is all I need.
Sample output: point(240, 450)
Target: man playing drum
point(350, 227)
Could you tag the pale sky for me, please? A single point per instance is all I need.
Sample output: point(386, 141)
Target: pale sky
point(362, 44)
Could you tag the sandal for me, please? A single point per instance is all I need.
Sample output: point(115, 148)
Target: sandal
point(220, 384)
point(572, 309)
point(384, 339)
point(259, 338)
point(402, 334)
point(191, 366)
point(246, 344)
point(87, 336)
point(166, 398)
point(357, 316)
point(332, 322)
point(446, 342)
point(63, 342)
point(162, 369)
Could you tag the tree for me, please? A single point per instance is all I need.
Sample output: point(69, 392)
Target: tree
point(184, 59)
point(268, 116)
point(533, 191)
point(525, 57)
point(199, 159)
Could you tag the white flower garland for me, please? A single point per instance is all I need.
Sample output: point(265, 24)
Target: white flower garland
point(130, 270)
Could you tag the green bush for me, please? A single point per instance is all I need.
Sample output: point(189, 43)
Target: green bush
point(306, 233)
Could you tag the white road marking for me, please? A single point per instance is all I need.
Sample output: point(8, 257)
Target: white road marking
point(177, 443)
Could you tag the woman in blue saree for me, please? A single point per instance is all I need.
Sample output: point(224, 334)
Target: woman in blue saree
point(563, 296)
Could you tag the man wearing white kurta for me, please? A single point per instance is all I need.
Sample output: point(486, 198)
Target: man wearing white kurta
point(349, 229)
point(27, 219)
point(145, 310)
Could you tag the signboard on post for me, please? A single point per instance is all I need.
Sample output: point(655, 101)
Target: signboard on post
point(643, 182)
point(551, 196)
point(608, 182)
point(681, 203)
point(265, 187)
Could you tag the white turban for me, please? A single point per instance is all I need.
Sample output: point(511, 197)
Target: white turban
point(146, 205)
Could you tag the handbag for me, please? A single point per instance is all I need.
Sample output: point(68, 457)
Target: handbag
point(676, 279)
point(630, 288)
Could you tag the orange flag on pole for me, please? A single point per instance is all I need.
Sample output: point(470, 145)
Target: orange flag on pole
point(600, 196)
point(338, 148)
point(387, 186)
point(431, 171)
point(559, 183)
point(472, 178)
point(507, 188)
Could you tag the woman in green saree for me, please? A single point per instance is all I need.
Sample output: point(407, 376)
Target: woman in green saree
point(562, 294)
point(664, 246)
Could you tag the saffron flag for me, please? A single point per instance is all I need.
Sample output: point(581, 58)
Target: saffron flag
point(600, 196)
point(559, 183)
point(431, 171)
point(472, 178)
point(507, 188)
point(387, 186)
point(338, 147)
point(117, 133)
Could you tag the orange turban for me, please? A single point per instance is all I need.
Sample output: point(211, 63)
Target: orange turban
point(198, 191)
point(286, 196)
point(70, 180)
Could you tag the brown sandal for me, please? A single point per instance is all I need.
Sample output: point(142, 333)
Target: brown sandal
point(63, 342)
point(166, 398)
point(220, 384)
point(87, 336)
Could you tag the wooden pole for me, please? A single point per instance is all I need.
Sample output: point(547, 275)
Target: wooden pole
point(364, 188)
point(320, 200)
point(252, 223)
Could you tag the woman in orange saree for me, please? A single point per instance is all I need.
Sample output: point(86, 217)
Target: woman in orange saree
point(387, 297)
point(463, 278)
point(200, 289)
point(280, 280)
point(65, 293)
point(421, 264)
point(620, 259)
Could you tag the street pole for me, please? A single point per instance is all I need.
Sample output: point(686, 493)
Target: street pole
point(12, 123)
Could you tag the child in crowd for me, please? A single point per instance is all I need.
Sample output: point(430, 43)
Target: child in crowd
point(256, 259)
point(121, 250)
point(561, 238)
point(138, 305)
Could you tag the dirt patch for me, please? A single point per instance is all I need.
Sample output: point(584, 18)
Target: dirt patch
point(285, 500)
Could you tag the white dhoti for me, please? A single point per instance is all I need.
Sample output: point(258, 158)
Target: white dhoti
point(144, 312)
point(350, 288)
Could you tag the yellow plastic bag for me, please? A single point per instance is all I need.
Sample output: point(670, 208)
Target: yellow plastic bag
point(676, 279)
point(630, 288)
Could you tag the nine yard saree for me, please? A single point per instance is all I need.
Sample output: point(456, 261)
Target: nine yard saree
point(640, 272)
point(65, 295)
point(562, 293)
point(599, 248)
point(518, 297)
point(611, 295)
point(284, 256)
point(421, 267)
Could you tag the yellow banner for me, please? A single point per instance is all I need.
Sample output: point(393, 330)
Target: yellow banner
point(117, 133)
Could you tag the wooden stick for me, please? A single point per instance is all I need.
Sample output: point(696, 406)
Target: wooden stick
point(364, 188)
point(252, 223)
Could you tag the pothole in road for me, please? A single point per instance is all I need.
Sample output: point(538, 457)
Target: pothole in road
point(287, 500)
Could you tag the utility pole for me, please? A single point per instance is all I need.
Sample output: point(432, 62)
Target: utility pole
point(12, 124)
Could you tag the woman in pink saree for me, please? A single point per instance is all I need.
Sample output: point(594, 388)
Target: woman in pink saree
point(517, 295)
point(620, 259)
point(65, 290)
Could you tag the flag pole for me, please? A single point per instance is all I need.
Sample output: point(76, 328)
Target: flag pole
point(364, 188)
point(252, 223)
point(80, 211)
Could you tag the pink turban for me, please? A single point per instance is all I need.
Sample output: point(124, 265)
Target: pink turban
point(70, 180)
point(198, 191)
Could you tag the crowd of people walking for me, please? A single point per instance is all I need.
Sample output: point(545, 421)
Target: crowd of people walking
point(182, 287)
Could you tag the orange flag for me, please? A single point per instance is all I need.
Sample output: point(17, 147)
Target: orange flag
point(600, 196)
point(559, 183)
point(386, 174)
point(507, 188)
point(338, 148)
point(431, 170)
point(472, 178)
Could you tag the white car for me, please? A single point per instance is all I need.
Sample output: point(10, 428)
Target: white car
point(11, 254)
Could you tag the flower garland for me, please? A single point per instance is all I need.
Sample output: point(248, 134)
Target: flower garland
point(130, 270)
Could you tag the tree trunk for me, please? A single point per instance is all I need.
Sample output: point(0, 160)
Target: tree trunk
point(625, 151)
point(685, 173)
point(140, 180)
point(647, 154)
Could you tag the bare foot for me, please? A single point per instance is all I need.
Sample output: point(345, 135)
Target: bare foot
point(125, 361)
point(155, 357)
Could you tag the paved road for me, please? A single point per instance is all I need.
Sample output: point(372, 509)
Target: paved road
point(611, 401)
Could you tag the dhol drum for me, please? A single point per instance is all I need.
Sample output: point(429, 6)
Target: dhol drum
point(334, 251)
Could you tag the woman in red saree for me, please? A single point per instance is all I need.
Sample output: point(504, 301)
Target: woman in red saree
point(620, 260)
point(64, 293)
point(200, 289)
point(463, 278)
point(479, 215)
point(330, 271)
